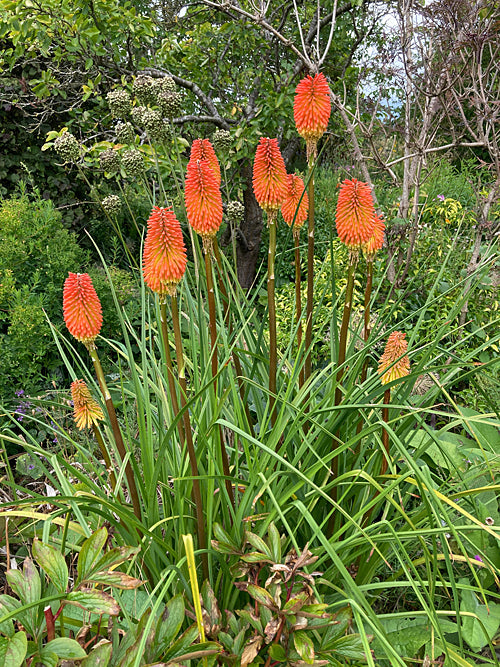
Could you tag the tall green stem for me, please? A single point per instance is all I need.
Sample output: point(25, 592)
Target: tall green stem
point(385, 432)
point(215, 363)
point(105, 456)
point(368, 296)
point(298, 298)
point(366, 331)
point(234, 356)
point(340, 365)
point(169, 369)
point(202, 542)
point(129, 473)
point(345, 325)
point(311, 158)
point(273, 353)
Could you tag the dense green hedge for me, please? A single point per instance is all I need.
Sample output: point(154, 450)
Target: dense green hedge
point(36, 254)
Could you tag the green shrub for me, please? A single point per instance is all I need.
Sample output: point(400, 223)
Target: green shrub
point(36, 255)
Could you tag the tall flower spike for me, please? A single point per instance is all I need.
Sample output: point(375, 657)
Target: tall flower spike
point(202, 149)
point(312, 107)
point(376, 240)
point(269, 175)
point(355, 217)
point(82, 308)
point(294, 209)
point(165, 259)
point(394, 363)
point(203, 200)
point(86, 410)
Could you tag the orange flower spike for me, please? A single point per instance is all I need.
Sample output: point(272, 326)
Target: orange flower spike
point(86, 410)
point(202, 149)
point(312, 107)
point(203, 199)
point(355, 217)
point(294, 209)
point(394, 363)
point(269, 175)
point(82, 308)
point(376, 240)
point(165, 259)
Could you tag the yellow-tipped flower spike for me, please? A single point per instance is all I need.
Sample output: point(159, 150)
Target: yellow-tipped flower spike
point(394, 363)
point(312, 107)
point(86, 410)
point(376, 241)
point(82, 308)
point(355, 217)
point(269, 175)
point(165, 256)
point(296, 204)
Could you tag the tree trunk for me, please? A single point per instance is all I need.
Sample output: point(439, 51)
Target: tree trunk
point(249, 233)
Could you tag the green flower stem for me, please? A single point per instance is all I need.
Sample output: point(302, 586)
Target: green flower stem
point(273, 354)
point(105, 456)
point(310, 265)
point(340, 372)
point(116, 432)
point(345, 326)
point(202, 542)
point(368, 296)
point(170, 370)
point(366, 333)
point(234, 356)
point(298, 298)
point(215, 361)
point(385, 432)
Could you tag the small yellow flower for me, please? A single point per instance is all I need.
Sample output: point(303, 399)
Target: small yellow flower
point(394, 363)
point(86, 410)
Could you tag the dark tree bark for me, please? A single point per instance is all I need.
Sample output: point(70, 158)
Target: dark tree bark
point(249, 233)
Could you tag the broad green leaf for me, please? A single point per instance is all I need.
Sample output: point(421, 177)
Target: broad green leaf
point(100, 656)
point(221, 536)
point(66, 648)
point(113, 557)
point(256, 557)
point(94, 601)
point(304, 646)
point(13, 650)
point(52, 561)
point(261, 595)
point(181, 646)
point(258, 543)
point(46, 658)
point(274, 542)
point(277, 652)
point(339, 626)
point(349, 646)
point(25, 583)
point(477, 631)
point(115, 579)
point(90, 551)
point(7, 604)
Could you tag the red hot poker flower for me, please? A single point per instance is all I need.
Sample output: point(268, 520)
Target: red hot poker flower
point(394, 363)
point(86, 410)
point(81, 308)
point(202, 149)
point(269, 175)
point(293, 212)
point(312, 107)
point(164, 261)
point(203, 199)
point(376, 240)
point(355, 217)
